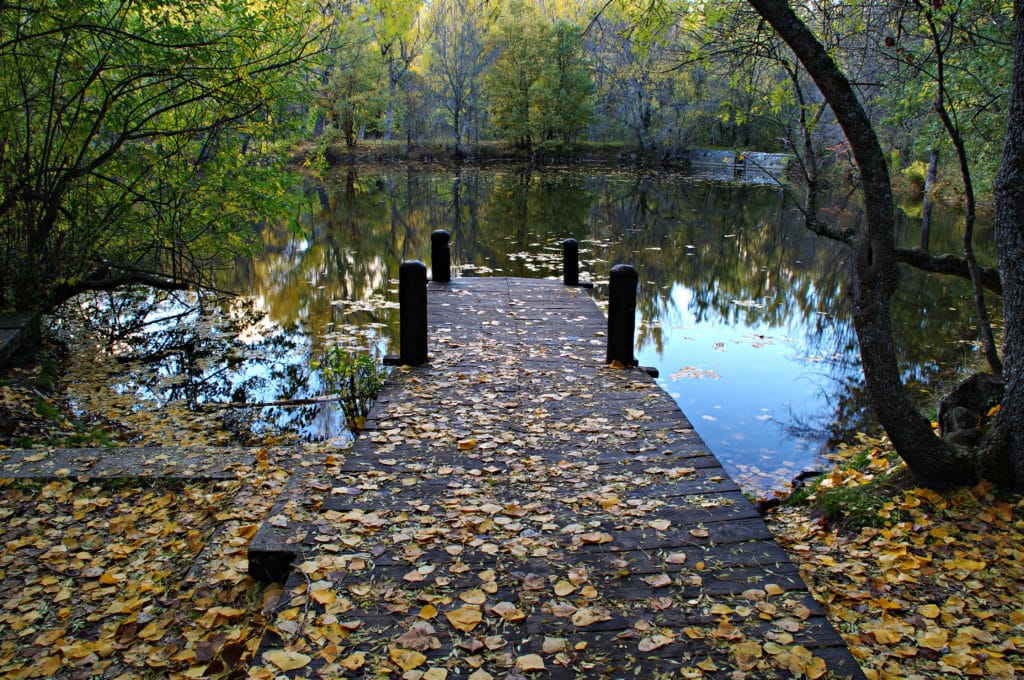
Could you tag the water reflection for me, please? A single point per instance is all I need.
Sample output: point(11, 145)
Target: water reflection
point(742, 310)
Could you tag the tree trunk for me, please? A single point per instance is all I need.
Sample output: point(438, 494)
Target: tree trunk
point(927, 202)
point(875, 273)
point(1008, 438)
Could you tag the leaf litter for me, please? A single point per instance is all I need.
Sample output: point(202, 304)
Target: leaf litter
point(934, 590)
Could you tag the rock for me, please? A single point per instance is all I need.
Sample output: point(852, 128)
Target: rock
point(962, 411)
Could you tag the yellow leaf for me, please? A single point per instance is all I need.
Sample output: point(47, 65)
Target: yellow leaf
point(649, 644)
point(554, 645)
point(676, 558)
point(286, 661)
point(929, 611)
point(596, 537)
point(659, 524)
point(747, 654)
point(323, 596)
point(428, 611)
point(959, 660)
point(473, 596)
point(464, 618)
point(998, 668)
point(435, 674)
point(588, 615)
point(563, 588)
point(708, 665)
point(406, 659)
point(508, 611)
point(815, 668)
point(353, 661)
point(530, 662)
point(802, 662)
point(887, 634)
point(467, 444)
point(933, 638)
point(773, 589)
point(152, 631)
point(51, 664)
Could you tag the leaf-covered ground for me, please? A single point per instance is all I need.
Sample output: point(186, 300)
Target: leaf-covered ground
point(130, 578)
point(144, 578)
point(935, 589)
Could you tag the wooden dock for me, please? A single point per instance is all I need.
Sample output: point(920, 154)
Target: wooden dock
point(515, 508)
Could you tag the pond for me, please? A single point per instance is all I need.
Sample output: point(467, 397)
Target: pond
point(744, 313)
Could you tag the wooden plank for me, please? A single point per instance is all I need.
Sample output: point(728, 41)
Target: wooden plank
point(516, 474)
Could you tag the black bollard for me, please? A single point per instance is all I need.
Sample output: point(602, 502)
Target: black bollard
point(571, 262)
point(622, 286)
point(440, 256)
point(412, 315)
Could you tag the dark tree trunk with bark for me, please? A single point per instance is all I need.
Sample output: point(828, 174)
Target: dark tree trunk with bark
point(1007, 449)
point(875, 270)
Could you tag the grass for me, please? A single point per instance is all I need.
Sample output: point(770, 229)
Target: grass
point(858, 495)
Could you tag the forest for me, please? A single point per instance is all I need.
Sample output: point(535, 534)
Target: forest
point(115, 112)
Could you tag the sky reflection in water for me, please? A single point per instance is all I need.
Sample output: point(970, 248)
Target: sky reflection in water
point(742, 311)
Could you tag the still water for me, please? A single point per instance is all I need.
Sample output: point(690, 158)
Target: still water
point(744, 313)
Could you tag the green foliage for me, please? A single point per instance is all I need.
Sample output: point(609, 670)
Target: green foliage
point(915, 174)
point(539, 87)
point(973, 38)
point(357, 380)
point(518, 41)
point(562, 93)
point(139, 139)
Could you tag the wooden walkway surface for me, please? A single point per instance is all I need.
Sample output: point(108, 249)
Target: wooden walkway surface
point(516, 508)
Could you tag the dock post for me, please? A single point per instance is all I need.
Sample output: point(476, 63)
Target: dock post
point(622, 286)
point(412, 315)
point(440, 256)
point(571, 262)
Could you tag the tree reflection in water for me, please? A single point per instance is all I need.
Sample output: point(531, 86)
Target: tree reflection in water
point(742, 310)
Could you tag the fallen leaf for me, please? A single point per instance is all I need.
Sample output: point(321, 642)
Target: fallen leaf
point(353, 661)
point(586, 616)
point(465, 618)
point(530, 662)
point(286, 661)
point(406, 659)
point(649, 644)
point(508, 611)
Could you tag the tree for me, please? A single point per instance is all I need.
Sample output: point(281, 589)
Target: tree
point(875, 273)
point(518, 45)
point(1008, 442)
point(127, 138)
point(564, 89)
point(456, 61)
point(395, 27)
point(351, 98)
point(948, 65)
point(634, 81)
